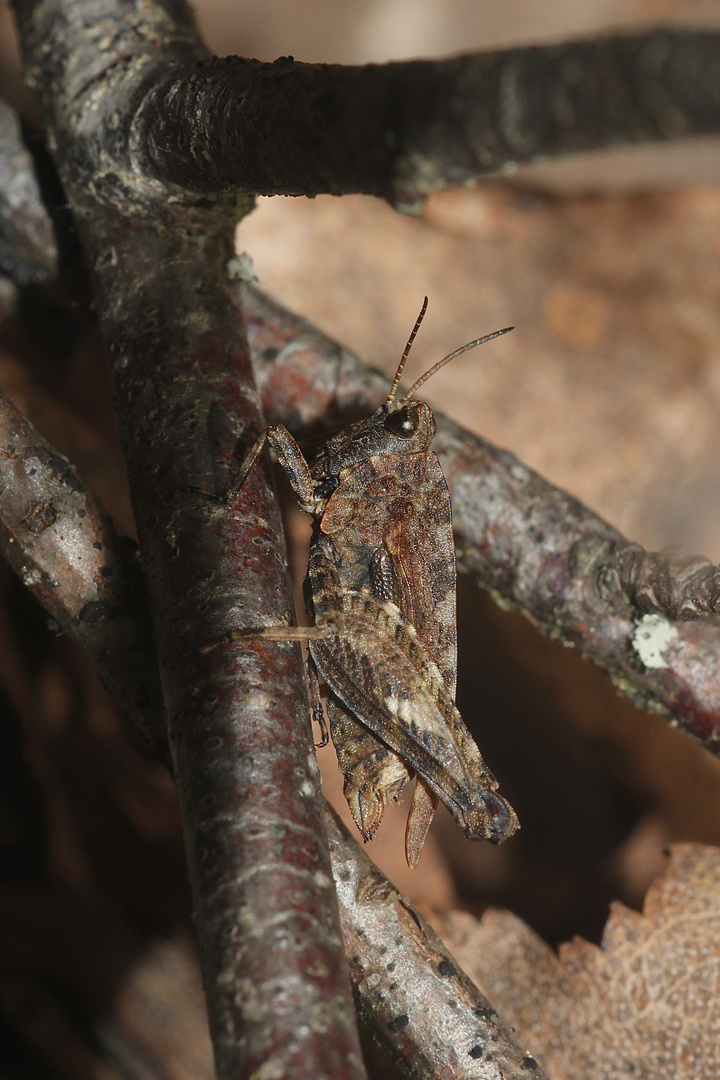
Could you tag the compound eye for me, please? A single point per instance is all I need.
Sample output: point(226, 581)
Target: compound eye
point(403, 423)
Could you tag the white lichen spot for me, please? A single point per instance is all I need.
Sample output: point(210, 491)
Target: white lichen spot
point(306, 789)
point(653, 634)
point(257, 699)
point(240, 268)
point(30, 576)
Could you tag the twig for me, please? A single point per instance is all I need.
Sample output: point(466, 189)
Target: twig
point(532, 545)
point(404, 130)
point(28, 252)
point(238, 721)
point(424, 1010)
point(55, 535)
point(275, 973)
point(400, 131)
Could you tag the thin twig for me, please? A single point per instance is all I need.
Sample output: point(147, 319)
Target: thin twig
point(424, 1010)
point(56, 536)
point(535, 547)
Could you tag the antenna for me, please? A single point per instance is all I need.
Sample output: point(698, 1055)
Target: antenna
point(445, 360)
point(403, 359)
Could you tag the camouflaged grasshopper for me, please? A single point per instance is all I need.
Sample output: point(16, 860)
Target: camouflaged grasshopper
point(381, 585)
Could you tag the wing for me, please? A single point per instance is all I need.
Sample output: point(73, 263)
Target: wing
point(374, 775)
point(390, 521)
point(375, 665)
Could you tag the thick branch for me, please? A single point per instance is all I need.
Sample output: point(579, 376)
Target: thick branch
point(404, 130)
point(238, 722)
point(400, 131)
point(534, 546)
point(275, 973)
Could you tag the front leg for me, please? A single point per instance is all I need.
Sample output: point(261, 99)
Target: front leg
point(292, 462)
point(297, 471)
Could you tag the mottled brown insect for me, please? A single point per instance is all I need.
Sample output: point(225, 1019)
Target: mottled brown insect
point(381, 585)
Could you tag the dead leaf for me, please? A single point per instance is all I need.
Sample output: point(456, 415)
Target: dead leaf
point(644, 1004)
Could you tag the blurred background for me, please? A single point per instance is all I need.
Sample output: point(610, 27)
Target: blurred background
point(608, 265)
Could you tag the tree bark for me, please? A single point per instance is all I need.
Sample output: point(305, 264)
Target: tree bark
point(239, 732)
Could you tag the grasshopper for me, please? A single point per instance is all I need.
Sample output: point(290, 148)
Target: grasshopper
point(381, 586)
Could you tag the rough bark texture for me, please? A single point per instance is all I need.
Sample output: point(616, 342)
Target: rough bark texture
point(27, 245)
point(404, 130)
point(238, 725)
point(400, 131)
point(237, 718)
point(679, 586)
point(424, 1010)
point(534, 546)
point(55, 535)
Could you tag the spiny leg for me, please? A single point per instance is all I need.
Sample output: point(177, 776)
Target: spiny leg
point(316, 705)
point(298, 473)
point(291, 460)
point(273, 633)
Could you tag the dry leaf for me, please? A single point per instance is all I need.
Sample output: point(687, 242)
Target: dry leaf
point(645, 1004)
